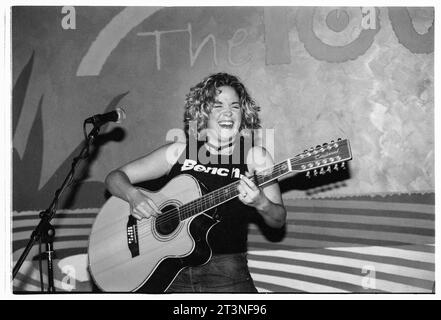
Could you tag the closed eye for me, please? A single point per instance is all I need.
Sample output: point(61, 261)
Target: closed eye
point(217, 104)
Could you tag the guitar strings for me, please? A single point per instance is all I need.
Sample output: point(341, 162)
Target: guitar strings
point(213, 195)
point(142, 224)
point(170, 215)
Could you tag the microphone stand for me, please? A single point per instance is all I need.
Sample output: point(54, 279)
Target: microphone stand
point(45, 231)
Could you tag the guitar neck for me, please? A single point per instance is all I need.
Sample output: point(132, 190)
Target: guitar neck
point(228, 192)
point(332, 156)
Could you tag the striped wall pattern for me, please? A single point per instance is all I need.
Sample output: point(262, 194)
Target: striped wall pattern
point(382, 244)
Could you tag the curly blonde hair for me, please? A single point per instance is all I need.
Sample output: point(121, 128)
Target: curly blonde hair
point(199, 102)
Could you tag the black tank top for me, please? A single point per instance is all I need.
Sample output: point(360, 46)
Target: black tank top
point(213, 172)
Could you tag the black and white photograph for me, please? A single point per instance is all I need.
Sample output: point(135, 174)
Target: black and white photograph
point(254, 149)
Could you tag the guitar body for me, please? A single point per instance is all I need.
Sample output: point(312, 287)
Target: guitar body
point(127, 255)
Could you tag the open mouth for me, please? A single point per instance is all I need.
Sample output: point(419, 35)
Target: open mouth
point(226, 124)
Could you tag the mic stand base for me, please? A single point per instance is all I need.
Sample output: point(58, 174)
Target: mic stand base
point(48, 237)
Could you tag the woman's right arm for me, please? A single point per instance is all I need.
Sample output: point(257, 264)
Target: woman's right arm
point(120, 182)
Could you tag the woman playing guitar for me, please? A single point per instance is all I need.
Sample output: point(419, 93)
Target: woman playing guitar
point(220, 109)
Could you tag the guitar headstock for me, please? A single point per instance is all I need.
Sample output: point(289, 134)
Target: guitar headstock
point(324, 158)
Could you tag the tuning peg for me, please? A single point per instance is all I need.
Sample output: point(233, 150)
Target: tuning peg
point(343, 165)
point(328, 169)
point(325, 144)
point(322, 171)
point(339, 139)
point(308, 174)
point(336, 167)
point(332, 141)
point(315, 173)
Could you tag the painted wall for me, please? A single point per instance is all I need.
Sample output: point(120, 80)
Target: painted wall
point(365, 74)
point(318, 74)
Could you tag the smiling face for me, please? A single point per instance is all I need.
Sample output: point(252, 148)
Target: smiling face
point(225, 117)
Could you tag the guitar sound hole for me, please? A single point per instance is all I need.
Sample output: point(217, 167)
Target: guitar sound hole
point(167, 222)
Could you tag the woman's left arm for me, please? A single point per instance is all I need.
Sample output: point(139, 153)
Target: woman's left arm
point(267, 200)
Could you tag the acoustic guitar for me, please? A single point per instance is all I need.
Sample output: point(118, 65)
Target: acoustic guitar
point(128, 255)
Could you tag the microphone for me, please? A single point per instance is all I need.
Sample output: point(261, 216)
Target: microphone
point(117, 115)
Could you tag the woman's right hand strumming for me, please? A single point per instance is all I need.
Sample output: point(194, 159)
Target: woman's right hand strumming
point(141, 206)
point(120, 182)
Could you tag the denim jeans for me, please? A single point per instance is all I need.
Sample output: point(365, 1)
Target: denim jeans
point(227, 273)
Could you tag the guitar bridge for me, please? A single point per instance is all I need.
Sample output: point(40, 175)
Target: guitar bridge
point(132, 236)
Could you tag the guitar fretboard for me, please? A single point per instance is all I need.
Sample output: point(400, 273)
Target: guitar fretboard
point(310, 160)
point(228, 192)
